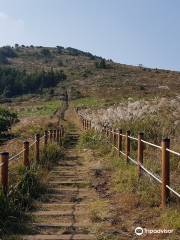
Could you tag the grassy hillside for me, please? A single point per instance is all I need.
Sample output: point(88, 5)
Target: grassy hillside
point(86, 75)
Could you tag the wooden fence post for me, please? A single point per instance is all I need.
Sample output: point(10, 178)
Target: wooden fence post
point(4, 171)
point(90, 125)
point(102, 129)
point(110, 134)
point(51, 135)
point(37, 154)
point(54, 135)
point(113, 137)
point(165, 171)
point(62, 129)
point(119, 141)
point(140, 153)
point(83, 123)
point(127, 146)
point(106, 130)
point(26, 154)
point(45, 138)
point(58, 135)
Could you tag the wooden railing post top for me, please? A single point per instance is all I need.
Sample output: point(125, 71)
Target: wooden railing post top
point(140, 134)
point(128, 132)
point(165, 141)
point(37, 135)
point(4, 153)
point(26, 143)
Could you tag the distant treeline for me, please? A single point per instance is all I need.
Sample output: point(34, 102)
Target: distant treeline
point(8, 52)
point(14, 82)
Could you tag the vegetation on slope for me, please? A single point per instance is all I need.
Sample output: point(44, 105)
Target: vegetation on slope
point(126, 202)
point(14, 82)
point(94, 76)
point(7, 118)
point(29, 185)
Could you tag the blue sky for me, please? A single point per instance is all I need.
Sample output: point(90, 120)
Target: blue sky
point(127, 31)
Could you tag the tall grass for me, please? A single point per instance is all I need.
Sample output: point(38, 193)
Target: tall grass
point(134, 192)
point(28, 187)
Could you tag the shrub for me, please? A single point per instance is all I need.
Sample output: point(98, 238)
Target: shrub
point(10, 216)
point(29, 186)
point(18, 200)
point(6, 119)
point(51, 155)
point(101, 64)
point(45, 52)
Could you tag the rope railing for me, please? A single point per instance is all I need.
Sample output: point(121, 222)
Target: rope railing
point(151, 144)
point(51, 136)
point(133, 138)
point(172, 151)
point(32, 144)
point(115, 139)
point(16, 156)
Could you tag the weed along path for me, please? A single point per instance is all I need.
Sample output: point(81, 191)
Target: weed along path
point(64, 211)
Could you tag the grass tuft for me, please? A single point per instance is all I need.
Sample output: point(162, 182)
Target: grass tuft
point(28, 187)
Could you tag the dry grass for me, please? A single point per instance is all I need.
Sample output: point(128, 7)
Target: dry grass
point(132, 202)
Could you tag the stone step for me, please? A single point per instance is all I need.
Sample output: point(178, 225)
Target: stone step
point(78, 169)
point(61, 225)
point(67, 173)
point(62, 206)
point(68, 219)
point(69, 189)
point(57, 183)
point(71, 169)
point(62, 178)
point(59, 213)
point(61, 228)
point(66, 198)
point(68, 182)
point(58, 173)
point(60, 237)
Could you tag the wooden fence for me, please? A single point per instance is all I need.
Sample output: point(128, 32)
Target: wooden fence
point(51, 136)
point(115, 138)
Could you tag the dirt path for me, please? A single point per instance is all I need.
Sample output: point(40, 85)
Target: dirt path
point(64, 212)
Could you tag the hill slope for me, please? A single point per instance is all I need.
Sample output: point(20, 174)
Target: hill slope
point(92, 76)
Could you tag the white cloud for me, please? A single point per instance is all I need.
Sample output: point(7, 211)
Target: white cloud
point(11, 29)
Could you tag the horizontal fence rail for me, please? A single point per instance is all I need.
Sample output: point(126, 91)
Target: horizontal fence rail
point(51, 136)
point(115, 138)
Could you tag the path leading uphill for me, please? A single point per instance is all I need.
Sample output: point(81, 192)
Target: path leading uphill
point(64, 212)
